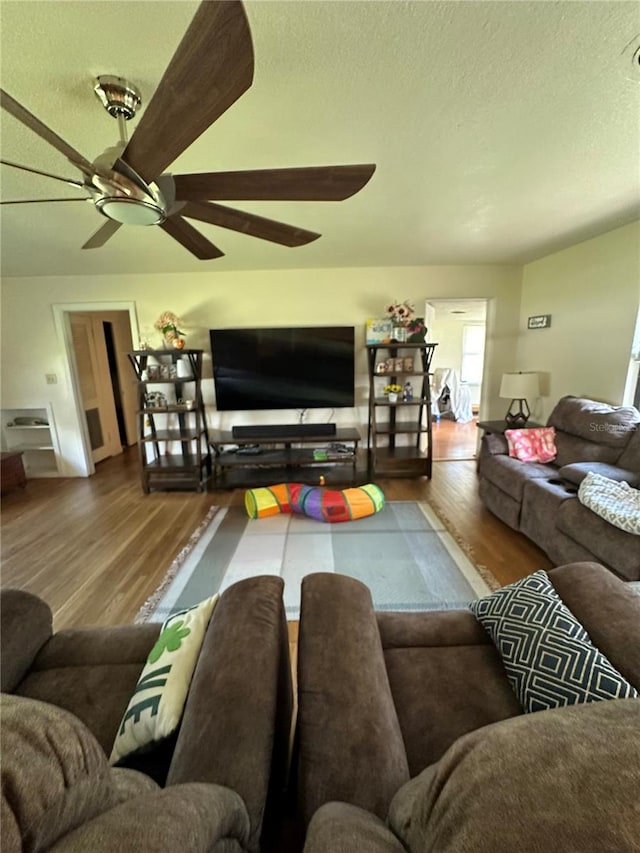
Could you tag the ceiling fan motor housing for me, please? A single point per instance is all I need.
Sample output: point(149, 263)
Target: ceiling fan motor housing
point(118, 96)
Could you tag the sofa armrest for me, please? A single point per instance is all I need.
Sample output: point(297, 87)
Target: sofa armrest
point(237, 718)
point(340, 828)
point(495, 445)
point(25, 626)
point(349, 739)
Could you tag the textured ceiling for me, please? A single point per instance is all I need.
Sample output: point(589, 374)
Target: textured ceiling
point(501, 130)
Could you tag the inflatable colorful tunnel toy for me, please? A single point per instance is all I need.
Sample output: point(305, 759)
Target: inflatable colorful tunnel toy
point(322, 504)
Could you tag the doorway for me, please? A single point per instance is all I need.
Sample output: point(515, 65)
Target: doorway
point(98, 338)
point(458, 326)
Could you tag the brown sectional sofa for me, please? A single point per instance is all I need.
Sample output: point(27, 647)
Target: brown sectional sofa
point(234, 734)
point(541, 500)
point(409, 735)
point(405, 714)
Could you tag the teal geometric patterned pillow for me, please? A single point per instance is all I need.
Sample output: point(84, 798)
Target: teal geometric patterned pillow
point(548, 655)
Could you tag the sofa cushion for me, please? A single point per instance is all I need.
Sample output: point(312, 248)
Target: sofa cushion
point(595, 422)
point(451, 653)
point(558, 780)
point(76, 665)
point(510, 475)
point(55, 776)
point(532, 445)
point(576, 472)
point(606, 543)
point(549, 658)
point(343, 828)
point(616, 502)
point(157, 704)
point(572, 449)
point(195, 818)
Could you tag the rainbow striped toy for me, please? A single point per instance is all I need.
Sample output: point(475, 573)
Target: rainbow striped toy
point(322, 504)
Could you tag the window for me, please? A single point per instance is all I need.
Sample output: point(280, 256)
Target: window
point(472, 354)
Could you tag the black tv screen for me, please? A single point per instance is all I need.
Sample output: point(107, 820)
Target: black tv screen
point(308, 367)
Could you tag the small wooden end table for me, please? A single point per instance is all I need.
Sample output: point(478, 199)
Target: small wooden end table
point(11, 470)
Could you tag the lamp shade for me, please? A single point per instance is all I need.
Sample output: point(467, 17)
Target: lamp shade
point(520, 386)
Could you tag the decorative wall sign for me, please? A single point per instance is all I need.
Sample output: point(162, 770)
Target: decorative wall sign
point(540, 321)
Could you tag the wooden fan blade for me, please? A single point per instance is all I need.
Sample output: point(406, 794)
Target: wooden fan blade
point(248, 223)
point(42, 200)
point(29, 120)
point(313, 183)
point(211, 68)
point(104, 233)
point(190, 238)
point(69, 181)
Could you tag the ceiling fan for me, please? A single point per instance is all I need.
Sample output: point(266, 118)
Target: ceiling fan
point(211, 68)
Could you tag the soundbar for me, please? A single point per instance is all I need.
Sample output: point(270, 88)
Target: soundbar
point(282, 430)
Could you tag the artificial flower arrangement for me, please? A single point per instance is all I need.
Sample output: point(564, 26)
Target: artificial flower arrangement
point(168, 324)
point(400, 313)
point(392, 389)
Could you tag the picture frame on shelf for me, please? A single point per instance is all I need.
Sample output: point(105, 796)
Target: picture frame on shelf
point(156, 400)
point(408, 363)
point(153, 372)
point(378, 330)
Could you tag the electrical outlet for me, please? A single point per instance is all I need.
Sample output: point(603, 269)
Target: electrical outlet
point(51, 378)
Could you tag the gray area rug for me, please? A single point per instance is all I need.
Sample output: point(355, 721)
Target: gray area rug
point(403, 554)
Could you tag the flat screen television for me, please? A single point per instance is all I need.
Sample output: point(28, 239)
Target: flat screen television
point(307, 367)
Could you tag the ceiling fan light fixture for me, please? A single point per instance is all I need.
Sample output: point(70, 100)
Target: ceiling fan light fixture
point(130, 211)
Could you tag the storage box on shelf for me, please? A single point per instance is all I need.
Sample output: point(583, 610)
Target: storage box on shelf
point(331, 460)
point(172, 428)
point(396, 364)
point(32, 431)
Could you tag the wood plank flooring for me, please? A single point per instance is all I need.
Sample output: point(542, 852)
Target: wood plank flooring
point(96, 548)
point(453, 440)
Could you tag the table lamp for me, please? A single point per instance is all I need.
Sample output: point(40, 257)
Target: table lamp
point(517, 387)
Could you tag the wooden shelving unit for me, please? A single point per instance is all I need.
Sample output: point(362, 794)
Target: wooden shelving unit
point(172, 437)
point(388, 421)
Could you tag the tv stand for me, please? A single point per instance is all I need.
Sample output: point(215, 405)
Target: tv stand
point(279, 430)
point(279, 461)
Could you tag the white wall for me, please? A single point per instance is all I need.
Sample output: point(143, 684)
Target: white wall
point(32, 346)
point(592, 291)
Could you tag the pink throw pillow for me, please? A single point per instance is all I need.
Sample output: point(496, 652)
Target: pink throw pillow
point(532, 445)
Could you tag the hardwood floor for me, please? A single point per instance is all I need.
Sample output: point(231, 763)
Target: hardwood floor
point(453, 440)
point(96, 548)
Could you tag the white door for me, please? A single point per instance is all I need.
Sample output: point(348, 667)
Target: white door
point(92, 368)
